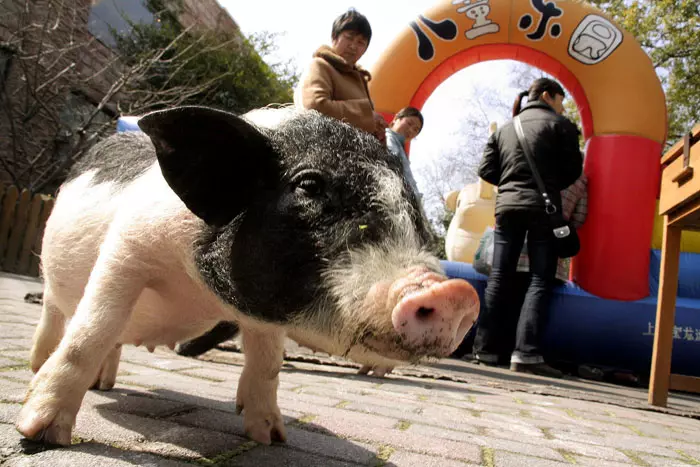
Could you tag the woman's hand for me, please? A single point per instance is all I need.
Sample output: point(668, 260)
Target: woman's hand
point(380, 128)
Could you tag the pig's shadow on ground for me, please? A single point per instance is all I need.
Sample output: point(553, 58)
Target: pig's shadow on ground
point(219, 419)
point(430, 383)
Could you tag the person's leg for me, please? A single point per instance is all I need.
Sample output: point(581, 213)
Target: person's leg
point(509, 236)
point(543, 263)
point(510, 324)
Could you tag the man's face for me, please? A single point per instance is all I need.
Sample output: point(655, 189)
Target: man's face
point(350, 45)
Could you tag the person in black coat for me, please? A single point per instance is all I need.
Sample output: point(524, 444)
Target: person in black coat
point(520, 210)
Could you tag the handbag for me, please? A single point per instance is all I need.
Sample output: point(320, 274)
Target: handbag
point(483, 257)
point(564, 232)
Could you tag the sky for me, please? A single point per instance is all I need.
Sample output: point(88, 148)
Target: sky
point(303, 26)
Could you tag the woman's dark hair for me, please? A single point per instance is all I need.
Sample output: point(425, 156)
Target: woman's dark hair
point(410, 112)
point(537, 88)
point(352, 20)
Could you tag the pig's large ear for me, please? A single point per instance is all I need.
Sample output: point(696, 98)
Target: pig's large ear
point(214, 161)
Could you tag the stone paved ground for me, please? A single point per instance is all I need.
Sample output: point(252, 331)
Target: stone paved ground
point(175, 411)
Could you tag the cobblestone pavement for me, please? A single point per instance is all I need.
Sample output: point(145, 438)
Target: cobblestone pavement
point(174, 411)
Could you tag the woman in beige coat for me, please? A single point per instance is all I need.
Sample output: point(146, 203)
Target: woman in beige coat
point(335, 85)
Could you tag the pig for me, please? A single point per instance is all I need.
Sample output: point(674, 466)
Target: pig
point(277, 220)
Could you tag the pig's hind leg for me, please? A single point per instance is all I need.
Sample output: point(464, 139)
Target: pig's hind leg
point(257, 386)
point(48, 333)
point(57, 390)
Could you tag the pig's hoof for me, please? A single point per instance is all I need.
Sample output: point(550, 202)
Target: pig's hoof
point(264, 428)
point(378, 371)
point(46, 427)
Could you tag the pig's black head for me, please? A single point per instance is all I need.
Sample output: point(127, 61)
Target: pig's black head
point(289, 206)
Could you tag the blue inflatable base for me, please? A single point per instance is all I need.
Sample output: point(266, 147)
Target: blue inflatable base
point(585, 329)
point(128, 124)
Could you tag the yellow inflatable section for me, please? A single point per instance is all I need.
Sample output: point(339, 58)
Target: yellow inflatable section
point(690, 241)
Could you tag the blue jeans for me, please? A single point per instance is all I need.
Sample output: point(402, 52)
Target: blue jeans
point(509, 237)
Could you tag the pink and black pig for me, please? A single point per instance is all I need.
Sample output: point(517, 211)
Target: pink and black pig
point(285, 223)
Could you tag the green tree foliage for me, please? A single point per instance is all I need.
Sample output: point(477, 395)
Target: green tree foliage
point(669, 31)
point(199, 67)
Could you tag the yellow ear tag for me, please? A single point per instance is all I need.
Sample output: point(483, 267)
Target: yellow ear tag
point(363, 227)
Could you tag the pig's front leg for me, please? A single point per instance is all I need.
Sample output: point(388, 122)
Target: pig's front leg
point(257, 387)
point(57, 390)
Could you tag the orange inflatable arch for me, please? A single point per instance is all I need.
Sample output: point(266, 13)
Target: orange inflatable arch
point(608, 75)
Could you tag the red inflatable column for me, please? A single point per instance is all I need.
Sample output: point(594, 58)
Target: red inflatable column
point(623, 182)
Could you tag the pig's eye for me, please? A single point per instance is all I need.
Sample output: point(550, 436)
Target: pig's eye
point(310, 185)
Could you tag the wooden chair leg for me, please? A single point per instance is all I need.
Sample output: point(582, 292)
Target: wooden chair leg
point(665, 314)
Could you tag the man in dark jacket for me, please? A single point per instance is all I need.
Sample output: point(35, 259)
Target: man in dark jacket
point(520, 210)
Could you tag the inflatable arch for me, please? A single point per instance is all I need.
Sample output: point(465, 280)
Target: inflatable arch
point(611, 80)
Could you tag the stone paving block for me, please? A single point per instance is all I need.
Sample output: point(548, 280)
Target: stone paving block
point(280, 456)
point(667, 432)
point(509, 459)
point(10, 442)
point(423, 387)
point(524, 446)
point(366, 430)
point(17, 355)
point(691, 451)
point(516, 432)
point(133, 402)
point(226, 422)
point(329, 445)
point(525, 428)
point(676, 422)
point(9, 412)
point(409, 459)
point(595, 462)
point(632, 443)
point(560, 414)
point(649, 445)
point(93, 455)
point(622, 430)
point(149, 377)
point(368, 396)
point(6, 345)
point(441, 433)
point(12, 391)
point(582, 449)
point(15, 330)
point(323, 378)
point(140, 356)
point(653, 461)
point(461, 421)
point(523, 425)
point(19, 318)
point(20, 342)
point(5, 362)
point(298, 401)
point(160, 437)
point(364, 393)
point(216, 375)
point(201, 395)
point(23, 375)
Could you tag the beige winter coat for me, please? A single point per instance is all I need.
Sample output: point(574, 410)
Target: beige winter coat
point(337, 89)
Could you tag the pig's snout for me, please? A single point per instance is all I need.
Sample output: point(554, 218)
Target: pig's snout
point(433, 313)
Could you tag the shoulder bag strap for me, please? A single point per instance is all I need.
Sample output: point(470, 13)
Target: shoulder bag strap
point(548, 205)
